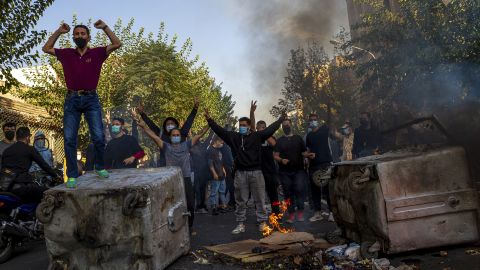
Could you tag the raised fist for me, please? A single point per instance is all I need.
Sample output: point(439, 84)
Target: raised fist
point(100, 24)
point(64, 28)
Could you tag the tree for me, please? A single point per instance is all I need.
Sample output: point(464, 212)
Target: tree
point(428, 53)
point(146, 67)
point(17, 18)
point(314, 84)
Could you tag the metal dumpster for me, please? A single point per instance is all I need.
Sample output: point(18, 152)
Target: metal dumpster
point(405, 200)
point(136, 219)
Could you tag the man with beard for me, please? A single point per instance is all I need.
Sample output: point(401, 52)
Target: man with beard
point(9, 138)
point(82, 66)
point(246, 146)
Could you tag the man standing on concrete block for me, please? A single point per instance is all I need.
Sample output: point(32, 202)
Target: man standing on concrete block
point(246, 147)
point(82, 67)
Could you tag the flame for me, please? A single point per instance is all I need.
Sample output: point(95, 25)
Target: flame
point(274, 219)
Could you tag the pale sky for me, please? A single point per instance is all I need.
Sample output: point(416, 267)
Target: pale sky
point(216, 27)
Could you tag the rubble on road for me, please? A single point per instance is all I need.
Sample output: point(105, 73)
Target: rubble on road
point(296, 250)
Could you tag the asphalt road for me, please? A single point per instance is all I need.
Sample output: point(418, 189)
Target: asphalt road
point(210, 230)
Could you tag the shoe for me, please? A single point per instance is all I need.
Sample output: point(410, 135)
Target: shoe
point(316, 217)
point(291, 218)
point(201, 211)
point(300, 216)
point(330, 218)
point(214, 212)
point(239, 229)
point(262, 226)
point(103, 173)
point(71, 182)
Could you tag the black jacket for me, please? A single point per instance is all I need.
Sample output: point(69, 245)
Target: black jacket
point(246, 148)
point(18, 158)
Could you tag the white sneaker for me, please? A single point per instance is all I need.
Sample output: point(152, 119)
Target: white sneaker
point(330, 218)
point(239, 229)
point(316, 217)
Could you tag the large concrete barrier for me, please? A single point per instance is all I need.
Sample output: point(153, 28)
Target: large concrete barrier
point(135, 220)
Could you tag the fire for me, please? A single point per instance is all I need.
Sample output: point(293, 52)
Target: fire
point(274, 219)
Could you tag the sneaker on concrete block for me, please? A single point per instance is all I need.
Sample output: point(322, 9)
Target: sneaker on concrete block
point(239, 229)
point(316, 217)
point(71, 182)
point(103, 173)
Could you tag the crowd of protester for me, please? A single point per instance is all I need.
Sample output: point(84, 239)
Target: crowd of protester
point(227, 171)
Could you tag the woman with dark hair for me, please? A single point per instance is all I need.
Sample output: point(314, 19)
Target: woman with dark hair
point(168, 125)
point(177, 153)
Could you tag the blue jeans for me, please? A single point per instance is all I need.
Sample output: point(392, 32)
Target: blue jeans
point(217, 186)
point(73, 109)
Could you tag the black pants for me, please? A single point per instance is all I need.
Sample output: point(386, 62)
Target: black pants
point(293, 184)
point(271, 186)
point(28, 192)
point(187, 182)
point(200, 185)
point(230, 186)
point(318, 192)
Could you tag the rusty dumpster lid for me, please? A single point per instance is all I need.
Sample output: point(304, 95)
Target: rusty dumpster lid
point(403, 153)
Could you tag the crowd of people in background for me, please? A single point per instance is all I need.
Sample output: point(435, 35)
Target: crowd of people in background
point(227, 171)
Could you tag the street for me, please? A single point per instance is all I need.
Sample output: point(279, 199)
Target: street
point(211, 230)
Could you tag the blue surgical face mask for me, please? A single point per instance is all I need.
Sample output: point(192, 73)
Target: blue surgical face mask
point(170, 127)
point(176, 139)
point(40, 143)
point(314, 124)
point(243, 130)
point(116, 129)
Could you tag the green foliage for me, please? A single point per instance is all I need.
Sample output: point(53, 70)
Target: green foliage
point(314, 84)
point(429, 53)
point(154, 69)
point(17, 18)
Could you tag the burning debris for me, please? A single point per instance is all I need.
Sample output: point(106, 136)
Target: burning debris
point(275, 219)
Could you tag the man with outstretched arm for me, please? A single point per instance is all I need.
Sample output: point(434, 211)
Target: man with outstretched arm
point(246, 147)
point(81, 67)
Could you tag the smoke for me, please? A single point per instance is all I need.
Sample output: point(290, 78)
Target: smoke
point(275, 27)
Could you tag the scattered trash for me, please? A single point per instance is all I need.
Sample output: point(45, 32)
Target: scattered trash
point(472, 251)
point(443, 253)
point(200, 260)
point(298, 260)
point(353, 252)
point(381, 264)
point(336, 251)
point(278, 238)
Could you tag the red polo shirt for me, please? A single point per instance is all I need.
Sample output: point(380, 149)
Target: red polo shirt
point(82, 72)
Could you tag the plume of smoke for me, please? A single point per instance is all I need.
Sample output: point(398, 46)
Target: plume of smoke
point(275, 27)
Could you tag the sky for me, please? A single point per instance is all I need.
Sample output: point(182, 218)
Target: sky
point(220, 35)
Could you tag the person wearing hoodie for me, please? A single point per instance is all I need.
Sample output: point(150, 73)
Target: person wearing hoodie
point(168, 125)
point(246, 147)
point(40, 144)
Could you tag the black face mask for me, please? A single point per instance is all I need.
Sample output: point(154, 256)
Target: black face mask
point(287, 130)
point(364, 122)
point(9, 135)
point(80, 42)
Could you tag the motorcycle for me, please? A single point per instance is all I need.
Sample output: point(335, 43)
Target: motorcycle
point(18, 221)
point(18, 224)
